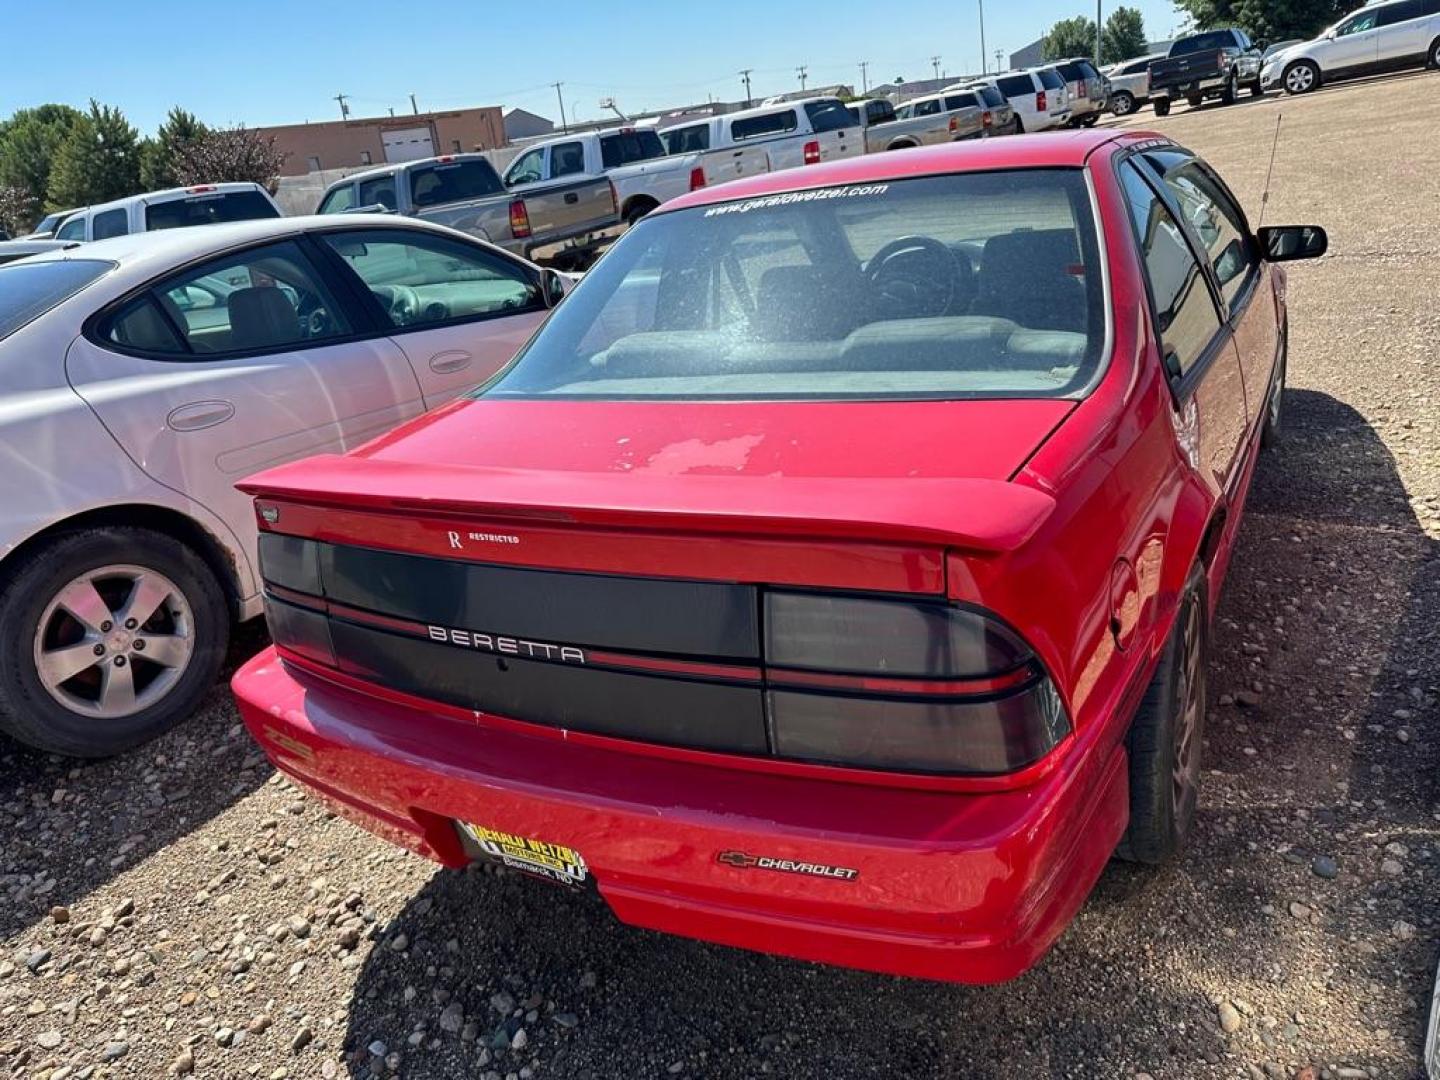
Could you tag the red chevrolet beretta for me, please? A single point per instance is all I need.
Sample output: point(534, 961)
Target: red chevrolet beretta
point(830, 575)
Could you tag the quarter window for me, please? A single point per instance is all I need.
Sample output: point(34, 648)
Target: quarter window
point(422, 280)
point(1185, 317)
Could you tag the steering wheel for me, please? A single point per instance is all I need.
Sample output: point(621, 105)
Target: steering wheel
point(907, 285)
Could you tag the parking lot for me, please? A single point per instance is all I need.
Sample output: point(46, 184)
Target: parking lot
point(184, 909)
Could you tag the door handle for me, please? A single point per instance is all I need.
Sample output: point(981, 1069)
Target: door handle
point(571, 197)
point(198, 415)
point(446, 362)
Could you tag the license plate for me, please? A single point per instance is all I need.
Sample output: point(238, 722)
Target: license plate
point(530, 855)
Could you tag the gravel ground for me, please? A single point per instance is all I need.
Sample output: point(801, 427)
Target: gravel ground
point(183, 909)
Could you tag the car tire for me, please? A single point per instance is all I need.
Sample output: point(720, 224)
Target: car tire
point(127, 694)
point(1256, 90)
point(1274, 407)
point(1122, 104)
point(1019, 126)
point(1300, 77)
point(1164, 741)
point(1162, 106)
point(1433, 56)
point(1195, 100)
point(637, 211)
point(1091, 120)
point(1231, 93)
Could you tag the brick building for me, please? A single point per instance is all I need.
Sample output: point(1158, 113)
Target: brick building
point(354, 143)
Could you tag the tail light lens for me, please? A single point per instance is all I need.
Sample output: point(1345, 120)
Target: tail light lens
point(519, 219)
point(812, 153)
point(614, 198)
point(954, 124)
point(1040, 102)
point(920, 687)
point(987, 120)
point(697, 178)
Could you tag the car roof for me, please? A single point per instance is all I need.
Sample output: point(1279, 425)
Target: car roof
point(1059, 149)
point(176, 246)
point(150, 197)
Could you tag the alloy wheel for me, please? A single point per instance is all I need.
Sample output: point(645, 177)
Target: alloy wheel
point(1185, 770)
point(1300, 78)
point(114, 641)
point(1123, 105)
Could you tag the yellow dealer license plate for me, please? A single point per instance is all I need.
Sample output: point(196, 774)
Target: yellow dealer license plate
point(529, 855)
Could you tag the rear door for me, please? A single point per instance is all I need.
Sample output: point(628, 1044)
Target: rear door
point(1019, 90)
point(1403, 34)
point(459, 311)
point(1196, 345)
point(241, 362)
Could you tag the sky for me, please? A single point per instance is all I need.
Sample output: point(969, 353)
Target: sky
point(275, 63)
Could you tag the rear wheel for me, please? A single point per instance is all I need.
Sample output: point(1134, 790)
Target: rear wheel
point(113, 635)
point(1256, 90)
point(1162, 106)
point(1165, 738)
point(1194, 100)
point(1434, 56)
point(1231, 93)
point(1122, 104)
point(638, 210)
point(1301, 77)
point(1019, 126)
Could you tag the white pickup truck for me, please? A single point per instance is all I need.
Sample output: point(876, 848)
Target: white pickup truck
point(634, 160)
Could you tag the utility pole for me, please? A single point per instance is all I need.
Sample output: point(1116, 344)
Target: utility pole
point(392, 110)
point(864, 77)
point(802, 69)
point(344, 109)
point(745, 76)
point(982, 40)
point(999, 59)
point(413, 107)
point(1097, 33)
point(563, 125)
point(935, 63)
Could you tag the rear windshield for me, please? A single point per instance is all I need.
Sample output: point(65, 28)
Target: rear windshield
point(828, 116)
point(1050, 79)
point(686, 140)
point(212, 209)
point(772, 123)
point(29, 289)
point(992, 96)
point(959, 101)
point(1016, 85)
point(1077, 70)
point(628, 147)
point(453, 181)
point(983, 284)
point(1215, 39)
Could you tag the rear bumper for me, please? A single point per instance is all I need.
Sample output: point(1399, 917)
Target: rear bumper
point(945, 885)
point(1189, 87)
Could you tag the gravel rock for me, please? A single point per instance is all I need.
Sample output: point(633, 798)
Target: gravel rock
point(1326, 867)
point(453, 1018)
point(1229, 1018)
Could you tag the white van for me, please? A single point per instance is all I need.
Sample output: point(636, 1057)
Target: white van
point(792, 133)
point(1038, 95)
point(202, 204)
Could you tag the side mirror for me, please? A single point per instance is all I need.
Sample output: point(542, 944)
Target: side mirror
point(553, 286)
point(1283, 243)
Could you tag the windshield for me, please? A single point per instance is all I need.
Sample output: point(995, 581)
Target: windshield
point(29, 289)
point(628, 147)
point(209, 210)
point(453, 181)
point(51, 222)
point(1216, 39)
point(983, 284)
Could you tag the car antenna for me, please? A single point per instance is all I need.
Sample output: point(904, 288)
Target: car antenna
point(1265, 198)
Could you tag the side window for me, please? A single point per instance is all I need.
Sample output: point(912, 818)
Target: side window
point(338, 201)
point(1185, 315)
point(1358, 25)
point(378, 192)
point(1216, 220)
point(74, 229)
point(567, 159)
point(1398, 13)
point(930, 107)
point(424, 280)
point(528, 168)
point(774, 123)
point(904, 112)
point(263, 299)
point(111, 223)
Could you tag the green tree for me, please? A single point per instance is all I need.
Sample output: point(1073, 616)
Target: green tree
point(1266, 20)
point(98, 161)
point(1123, 37)
point(1070, 37)
point(157, 155)
point(29, 141)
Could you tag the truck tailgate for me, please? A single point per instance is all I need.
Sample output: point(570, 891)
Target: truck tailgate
point(561, 211)
point(722, 165)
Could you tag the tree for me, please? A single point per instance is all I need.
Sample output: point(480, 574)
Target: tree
point(98, 161)
point(157, 155)
point(1123, 37)
point(29, 141)
point(1070, 37)
point(228, 154)
point(18, 210)
point(1266, 20)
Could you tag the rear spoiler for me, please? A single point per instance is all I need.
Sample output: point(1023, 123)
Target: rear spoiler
point(987, 516)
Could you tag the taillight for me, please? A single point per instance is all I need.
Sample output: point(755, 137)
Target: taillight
point(697, 178)
point(812, 153)
point(904, 685)
point(954, 124)
point(986, 119)
point(1040, 102)
point(614, 198)
point(519, 219)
